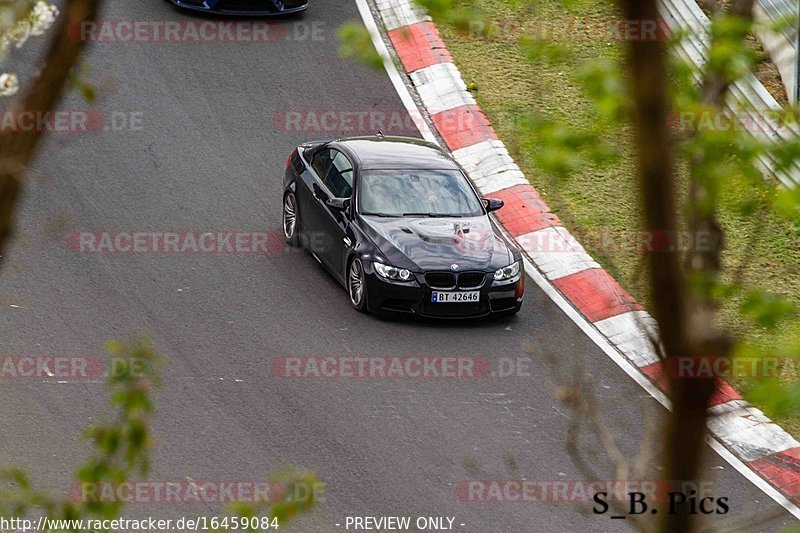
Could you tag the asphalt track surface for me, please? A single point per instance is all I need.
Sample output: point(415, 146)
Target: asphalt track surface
point(210, 156)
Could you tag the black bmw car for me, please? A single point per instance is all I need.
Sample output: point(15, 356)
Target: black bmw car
point(396, 221)
point(244, 7)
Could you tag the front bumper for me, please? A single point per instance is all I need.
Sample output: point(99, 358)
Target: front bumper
point(414, 297)
point(254, 8)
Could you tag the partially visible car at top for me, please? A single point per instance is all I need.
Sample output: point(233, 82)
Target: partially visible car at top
point(244, 7)
point(396, 221)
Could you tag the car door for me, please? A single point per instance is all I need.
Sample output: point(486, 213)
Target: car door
point(331, 176)
point(318, 164)
point(337, 183)
point(309, 195)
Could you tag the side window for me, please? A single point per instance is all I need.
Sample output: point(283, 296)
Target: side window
point(322, 163)
point(339, 179)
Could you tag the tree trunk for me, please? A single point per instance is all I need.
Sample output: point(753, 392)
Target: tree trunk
point(686, 427)
point(686, 320)
point(18, 148)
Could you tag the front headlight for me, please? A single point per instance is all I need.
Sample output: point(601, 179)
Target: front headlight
point(507, 272)
point(390, 272)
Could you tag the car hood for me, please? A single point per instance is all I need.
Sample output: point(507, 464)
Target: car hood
point(424, 244)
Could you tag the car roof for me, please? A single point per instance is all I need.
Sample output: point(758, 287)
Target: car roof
point(385, 152)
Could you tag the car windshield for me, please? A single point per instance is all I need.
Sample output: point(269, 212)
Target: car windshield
point(417, 193)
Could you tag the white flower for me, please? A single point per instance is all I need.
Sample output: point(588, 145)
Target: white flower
point(37, 22)
point(20, 34)
point(16, 32)
point(42, 17)
point(9, 84)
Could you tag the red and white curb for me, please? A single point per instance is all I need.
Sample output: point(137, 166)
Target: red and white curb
point(748, 440)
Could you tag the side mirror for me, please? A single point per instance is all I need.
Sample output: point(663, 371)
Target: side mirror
point(492, 204)
point(339, 204)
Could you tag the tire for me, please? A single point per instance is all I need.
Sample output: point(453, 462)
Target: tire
point(291, 219)
point(357, 295)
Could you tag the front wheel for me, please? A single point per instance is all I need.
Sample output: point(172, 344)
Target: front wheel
point(357, 285)
point(291, 216)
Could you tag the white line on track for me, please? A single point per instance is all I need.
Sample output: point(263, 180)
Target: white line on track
point(391, 69)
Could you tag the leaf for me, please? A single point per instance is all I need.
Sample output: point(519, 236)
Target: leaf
point(355, 43)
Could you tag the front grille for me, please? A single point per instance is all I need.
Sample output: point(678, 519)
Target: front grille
point(441, 280)
point(245, 5)
point(471, 280)
point(455, 309)
point(450, 280)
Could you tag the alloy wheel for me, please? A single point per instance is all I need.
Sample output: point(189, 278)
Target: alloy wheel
point(356, 283)
point(289, 216)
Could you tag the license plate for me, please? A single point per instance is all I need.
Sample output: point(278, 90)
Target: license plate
point(449, 297)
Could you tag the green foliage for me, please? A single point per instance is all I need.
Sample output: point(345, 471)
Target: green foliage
point(356, 43)
point(767, 309)
point(605, 86)
point(121, 448)
point(724, 154)
point(459, 14)
point(718, 146)
point(78, 83)
point(787, 204)
point(774, 385)
point(775, 398)
point(728, 56)
point(300, 493)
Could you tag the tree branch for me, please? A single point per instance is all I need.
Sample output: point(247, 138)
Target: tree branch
point(18, 148)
